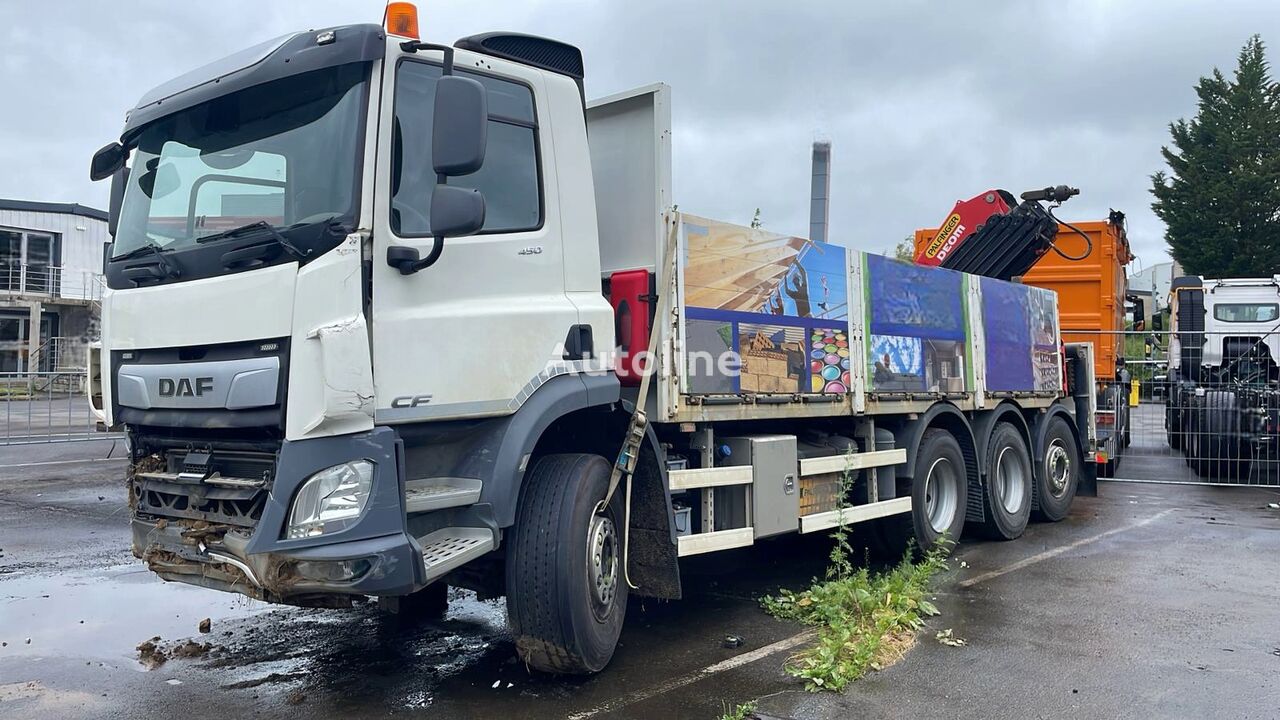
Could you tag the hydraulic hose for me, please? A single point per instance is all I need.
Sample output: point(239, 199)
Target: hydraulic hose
point(1088, 243)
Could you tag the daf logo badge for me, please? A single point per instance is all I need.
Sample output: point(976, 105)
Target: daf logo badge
point(185, 387)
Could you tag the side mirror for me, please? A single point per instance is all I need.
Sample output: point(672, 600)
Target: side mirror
point(119, 181)
point(106, 161)
point(456, 211)
point(460, 127)
point(459, 135)
point(1139, 309)
point(1157, 322)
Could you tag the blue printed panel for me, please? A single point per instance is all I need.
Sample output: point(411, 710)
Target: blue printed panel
point(915, 301)
point(1020, 326)
point(774, 306)
point(1006, 326)
point(917, 341)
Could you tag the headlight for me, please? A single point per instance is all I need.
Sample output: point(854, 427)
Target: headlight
point(331, 499)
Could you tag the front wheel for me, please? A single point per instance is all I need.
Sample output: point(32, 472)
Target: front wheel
point(566, 590)
point(939, 493)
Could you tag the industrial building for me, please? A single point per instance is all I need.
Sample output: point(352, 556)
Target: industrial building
point(50, 284)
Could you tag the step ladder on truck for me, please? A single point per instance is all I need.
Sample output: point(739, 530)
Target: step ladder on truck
point(390, 367)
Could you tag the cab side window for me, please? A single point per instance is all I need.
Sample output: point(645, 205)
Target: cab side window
point(509, 177)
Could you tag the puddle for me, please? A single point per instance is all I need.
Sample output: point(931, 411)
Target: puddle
point(104, 615)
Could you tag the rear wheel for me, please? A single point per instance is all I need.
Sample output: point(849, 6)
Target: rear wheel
point(1217, 438)
point(1009, 484)
point(566, 592)
point(1173, 426)
point(1058, 473)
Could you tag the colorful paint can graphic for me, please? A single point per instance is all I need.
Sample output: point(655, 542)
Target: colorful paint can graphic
point(829, 362)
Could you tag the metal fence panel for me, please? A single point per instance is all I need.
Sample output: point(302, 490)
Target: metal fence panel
point(42, 407)
point(1196, 419)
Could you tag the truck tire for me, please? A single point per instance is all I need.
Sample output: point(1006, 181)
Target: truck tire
point(566, 590)
point(1173, 426)
point(431, 603)
point(1009, 487)
point(1197, 448)
point(1218, 448)
point(1127, 438)
point(1192, 419)
point(1058, 473)
point(939, 493)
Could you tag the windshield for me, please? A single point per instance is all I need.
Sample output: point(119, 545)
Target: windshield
point(285, 153)
point(1246, 312)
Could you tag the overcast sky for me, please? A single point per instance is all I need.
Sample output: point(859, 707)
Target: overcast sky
point(924, 102)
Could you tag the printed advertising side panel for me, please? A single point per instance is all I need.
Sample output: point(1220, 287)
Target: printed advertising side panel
point(763, 313)
point(1020, 323)
point(917, 338)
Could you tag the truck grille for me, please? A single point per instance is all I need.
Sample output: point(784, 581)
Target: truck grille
point(220, 487)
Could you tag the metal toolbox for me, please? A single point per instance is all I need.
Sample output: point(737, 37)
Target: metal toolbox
point(775, 491)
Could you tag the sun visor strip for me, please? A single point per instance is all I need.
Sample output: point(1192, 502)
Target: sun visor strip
point(298, 54)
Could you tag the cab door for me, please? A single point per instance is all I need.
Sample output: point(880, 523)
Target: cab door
point(465, 337)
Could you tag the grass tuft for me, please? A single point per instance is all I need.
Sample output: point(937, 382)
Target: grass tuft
point(739, 712)
point(865, 621)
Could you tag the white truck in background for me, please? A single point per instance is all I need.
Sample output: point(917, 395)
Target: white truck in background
point(1222, 406)
point(364, 292)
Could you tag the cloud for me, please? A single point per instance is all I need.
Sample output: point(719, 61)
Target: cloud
point(925, 103)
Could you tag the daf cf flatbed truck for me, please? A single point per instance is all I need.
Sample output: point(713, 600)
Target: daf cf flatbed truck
point(386, 315)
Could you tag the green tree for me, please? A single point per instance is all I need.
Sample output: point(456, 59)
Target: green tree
point(1221, 197)
point(905, 250)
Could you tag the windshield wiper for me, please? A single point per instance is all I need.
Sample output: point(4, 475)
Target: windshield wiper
point(150, 247)
point(261, 226)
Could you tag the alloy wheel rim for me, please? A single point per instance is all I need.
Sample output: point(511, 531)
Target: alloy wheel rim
point(1011, 480)
point(941, 494)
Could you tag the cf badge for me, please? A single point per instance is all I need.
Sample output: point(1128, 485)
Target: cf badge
point(410, 401)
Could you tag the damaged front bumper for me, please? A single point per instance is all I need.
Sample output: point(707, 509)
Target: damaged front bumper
point(372, 556)
point(326, 576)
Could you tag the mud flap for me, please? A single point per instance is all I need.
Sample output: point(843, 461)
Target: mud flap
point(1088, 483)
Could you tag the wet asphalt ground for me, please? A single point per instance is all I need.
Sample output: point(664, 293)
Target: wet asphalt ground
point(1148, 601)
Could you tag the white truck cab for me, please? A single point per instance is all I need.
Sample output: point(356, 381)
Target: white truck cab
point(281, 217)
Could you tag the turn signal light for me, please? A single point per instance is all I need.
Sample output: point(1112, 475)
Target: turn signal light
point(402, 20)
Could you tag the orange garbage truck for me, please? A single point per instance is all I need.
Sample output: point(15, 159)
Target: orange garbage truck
point(1084, 262)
